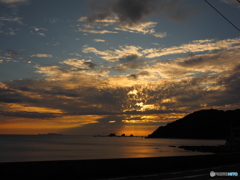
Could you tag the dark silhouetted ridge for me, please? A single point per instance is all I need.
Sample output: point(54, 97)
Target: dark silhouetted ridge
point(203, 124)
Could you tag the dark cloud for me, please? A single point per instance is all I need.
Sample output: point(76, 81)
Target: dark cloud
point(109, 99)
point(128, 58)
point(132, 76)
point(130, 62)
point(132, 65)
point(143, 73)
point(95, 17)
point(10, 96)
point(11, 99)
point(11, 52)
point(231, 85)
point(133, 11)
point(33, 115)
point(232, 82)
point(136, 75)
point(91, 65)
point(130, 12)
point(67, 94)
point(117, 119)
point(193, 61)
point(24, 88)
point(84, 65)
point(132, 118)
point(119, 69)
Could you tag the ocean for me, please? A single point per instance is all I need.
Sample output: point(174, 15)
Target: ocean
point(20, 148)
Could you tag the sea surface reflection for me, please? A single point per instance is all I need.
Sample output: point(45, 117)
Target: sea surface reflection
point(16, 148)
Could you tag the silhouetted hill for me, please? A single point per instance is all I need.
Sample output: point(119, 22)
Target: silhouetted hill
point(203, 124)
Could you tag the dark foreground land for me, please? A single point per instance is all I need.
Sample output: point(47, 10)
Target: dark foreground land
point(111, 168)
point(217, 124)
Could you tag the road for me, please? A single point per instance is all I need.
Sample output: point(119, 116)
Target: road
point(196, 174)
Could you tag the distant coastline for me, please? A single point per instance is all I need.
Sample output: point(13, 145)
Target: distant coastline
point(114, 135)
point(50, 134)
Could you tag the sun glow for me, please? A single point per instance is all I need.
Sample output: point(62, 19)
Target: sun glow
point(133, 92)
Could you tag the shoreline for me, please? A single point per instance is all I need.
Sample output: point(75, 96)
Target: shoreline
point(109, 168)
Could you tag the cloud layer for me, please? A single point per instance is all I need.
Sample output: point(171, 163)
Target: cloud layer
point(80, 87)
point(135, 11)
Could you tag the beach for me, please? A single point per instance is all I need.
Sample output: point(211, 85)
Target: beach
point(110, 168)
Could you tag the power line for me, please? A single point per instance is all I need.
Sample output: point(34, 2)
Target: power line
point(223, 15)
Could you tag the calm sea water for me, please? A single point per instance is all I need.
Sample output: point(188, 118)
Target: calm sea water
point(14, 148)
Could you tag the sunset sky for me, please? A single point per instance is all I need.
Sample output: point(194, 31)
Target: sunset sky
point(119, 66)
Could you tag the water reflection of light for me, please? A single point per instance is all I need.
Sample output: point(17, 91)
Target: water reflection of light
point(141, 147)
